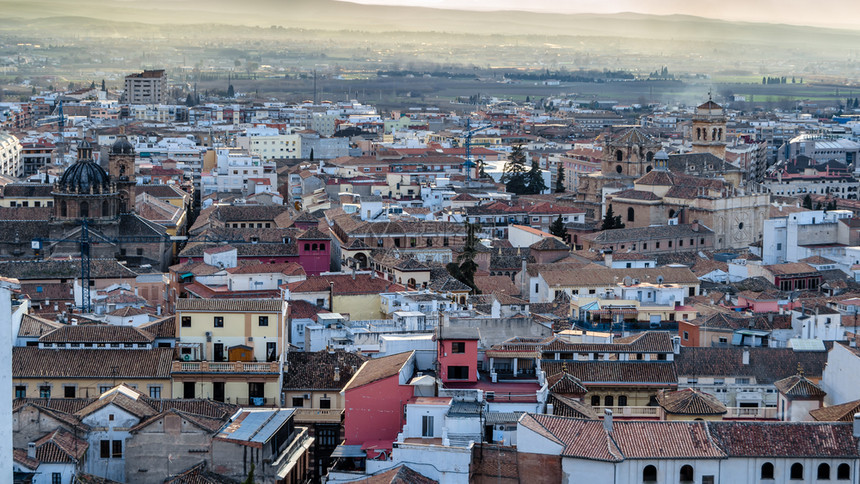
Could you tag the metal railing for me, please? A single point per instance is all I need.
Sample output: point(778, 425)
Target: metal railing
point(224, 367)
point(630, 411)
point(318, 414)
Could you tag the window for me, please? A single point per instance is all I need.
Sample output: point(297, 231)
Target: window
point(458, 372)
point(824, 472)
point(45, 391)
point(264, 320)
point(320, 302)
point(56, 478)
point(186, 321)
point(104, 449)
point(298, 402)
point(20, 391)
point(427, 426)
point(445, 241)
point(155, 392)
point(116, 449)
point(608, 401)
point(743, 381)
point(458, 347)
point(686, 473)
point(631, 214)
point(271, 351)
point(325, 403)
point(104, 388)
point(843, 472)
point(649, 474)
point(69, 391)
point(595, 401)
point(779, 246)
point(797, 471)
point(219, 321)
point(686, 335)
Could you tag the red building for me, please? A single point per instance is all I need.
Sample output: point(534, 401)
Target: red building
point(458, 354)
point(375, 399)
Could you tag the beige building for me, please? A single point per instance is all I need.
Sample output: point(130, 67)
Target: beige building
point(147, 87)
point(230, 350)
point(709, 130)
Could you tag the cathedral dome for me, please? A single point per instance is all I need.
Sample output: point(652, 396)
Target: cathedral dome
point(122, 147)
point(84, 174)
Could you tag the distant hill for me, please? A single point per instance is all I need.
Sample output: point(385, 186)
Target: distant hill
point(337, 15)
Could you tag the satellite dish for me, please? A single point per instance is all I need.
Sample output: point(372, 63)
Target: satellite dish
point(659, 279)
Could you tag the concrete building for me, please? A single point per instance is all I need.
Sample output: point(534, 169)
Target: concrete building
point(147, 87)
point(11, 162)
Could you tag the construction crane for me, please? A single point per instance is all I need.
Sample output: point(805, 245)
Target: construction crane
point(469, 164)
point(86, 243)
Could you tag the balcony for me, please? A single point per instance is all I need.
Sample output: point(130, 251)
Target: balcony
point(630, 412)
point(255, 402)
point(224, 367)
point(314, 415)
point(755, 413)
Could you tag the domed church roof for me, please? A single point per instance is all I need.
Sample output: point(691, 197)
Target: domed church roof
point(84, 173)
point(122, 147)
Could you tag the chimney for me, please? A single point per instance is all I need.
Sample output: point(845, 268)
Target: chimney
point(353, 273)
point(770, 318)
point(746, 356)
point(31, 446)
point(336, 373)
point(695, 226)
point(607, 420)
point(607, 258)
point(549, 409)
point(856, 425)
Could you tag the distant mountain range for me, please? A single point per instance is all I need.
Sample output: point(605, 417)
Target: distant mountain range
point(337, 15)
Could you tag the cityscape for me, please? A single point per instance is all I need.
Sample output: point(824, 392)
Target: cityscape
point(430, 242)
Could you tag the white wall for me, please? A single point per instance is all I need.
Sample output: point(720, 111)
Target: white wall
point(840, 376)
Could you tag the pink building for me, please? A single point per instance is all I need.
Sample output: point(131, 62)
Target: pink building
point(375, 399)
point(759, 302)
point(458, 354)
point(314, 248)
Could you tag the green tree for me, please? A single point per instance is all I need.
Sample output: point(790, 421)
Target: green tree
point(250, 478)
point(807, 202)
point(230, 91)
point(514, 176)
point(558, 229)
point(465, 268)
point(481, 165)
point(103, 85)
point(534, 179)
point(312, 155)
point(559, 179)
point(610, 220)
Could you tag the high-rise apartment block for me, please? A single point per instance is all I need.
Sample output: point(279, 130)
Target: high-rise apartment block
point(147, 87)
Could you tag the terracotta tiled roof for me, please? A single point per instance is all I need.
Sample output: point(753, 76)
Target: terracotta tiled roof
point(766, 365)
point(399, 475)
point(19, 456)
point(134, 406)
point(660, 440)
point(230, 305)
point(566, 384)
point(300, 309)
point(161, 328)
point(287, 268)
point(378, 369)
point(97, 333)
point(344, 284)
point(34, 326)
point(797, 439)
point(568, 407)
point(617, 372)
point(836, 413)
point(579, 438)
point(64, 269)
point(32, 362)
point(798, 387)
point(316, 371)
point(60, 446)
point(790, 268)
point(199, 474)
point(646, 342)
point(690, 401)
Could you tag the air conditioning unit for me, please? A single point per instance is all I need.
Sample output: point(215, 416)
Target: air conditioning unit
point(209, 336)
point(490, 396)
point(186, 357)
point(306, 396)
point(500, 427)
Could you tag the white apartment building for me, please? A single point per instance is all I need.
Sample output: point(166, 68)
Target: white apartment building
point(233, 171)
point(11, 162)
point(147, 87)
point(270, 144)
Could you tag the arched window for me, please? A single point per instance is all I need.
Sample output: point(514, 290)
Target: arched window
point(672, 213)
point(698, 133)
point(595, 400)
point(322, 246)
point(649, 474)
point(622, 401)
point(767, 470)
point(314, 247)
point(63, 210)
point(618, 169)
point(630, 214)
point(85, 209)
point(687, 473)
point(619, 155)
point(649, 156)
point(105, 208)
point(411, 282)
point(824, 471)
point(797, 471)
point(307, 246)
point(648, 169)
point(609, 401)
point(843, 472)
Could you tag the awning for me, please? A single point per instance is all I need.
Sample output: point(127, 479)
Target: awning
point(348, 451)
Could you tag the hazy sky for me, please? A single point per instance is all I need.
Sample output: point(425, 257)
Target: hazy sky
point(826, 13)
